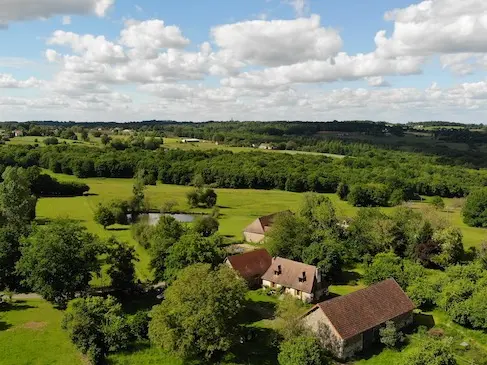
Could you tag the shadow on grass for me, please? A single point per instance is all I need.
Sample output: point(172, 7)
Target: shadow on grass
point(347, 278)
point(257, 311)
point(138, 302)
point(259, 346)
point(421, 319)
point(16, 306)
point(117, 229)
point(4, 326)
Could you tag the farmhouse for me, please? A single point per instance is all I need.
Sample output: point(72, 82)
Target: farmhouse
point(349, 324)
point(190, 140)
point(255, 232)
point(251, 265)
point(18, 133)
point(297, 279)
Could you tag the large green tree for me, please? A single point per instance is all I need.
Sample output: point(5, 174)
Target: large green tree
point(121, 257)
point(58, 260)
point(97, 326)
point(199, 316)
point(475, 209)
point(17, 204)
point(192, 249)
point(9, 255)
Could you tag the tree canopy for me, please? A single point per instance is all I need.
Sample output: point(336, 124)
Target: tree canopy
point(199, 316)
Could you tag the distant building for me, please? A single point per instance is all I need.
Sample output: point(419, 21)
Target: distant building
point(296, 279)
point(190, 140)
point(18, 133)
point(251, 265)
point(351, 323)
point(266, 146)
point(127, 131)
point(255, 232)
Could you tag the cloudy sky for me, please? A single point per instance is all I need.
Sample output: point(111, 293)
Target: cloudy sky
point(394, 60)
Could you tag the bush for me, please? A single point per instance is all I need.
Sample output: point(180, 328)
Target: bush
point(390, 336)
point(438, 202)
point(104, 216)
point(475, 209)
point(302, 350)
point(51, 141)
point(206, 226)
point(369, 195)
point(96, 326)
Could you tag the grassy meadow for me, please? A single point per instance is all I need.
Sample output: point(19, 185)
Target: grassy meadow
point(30, 331)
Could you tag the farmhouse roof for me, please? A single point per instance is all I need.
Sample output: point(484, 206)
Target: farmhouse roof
point(251, 264)
point(367, 308)
point(261, 225)
point(289, 274)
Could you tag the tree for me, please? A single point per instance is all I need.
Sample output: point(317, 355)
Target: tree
point(58, 260)
point(438, 202)
point(206, 226)
point(384, 266)
point(104, 216)
point(390, 336)
point(431, 352)
point(475, 209)
point(289, 236)
point(326, 255)
point(121, 258)
point(51, 141)
point(302, 350)
point(397, 197)
point(199, 315)
point(192, 249)
point(9, 255)
point(84, 135)
point(288, 313)
point(193, 198)
point(97, 326)
point(160, 239)
point(208, 198)
point(105, 139)
point(342, 191)
point(17, 204)
point(450, 241)
point(137, 202)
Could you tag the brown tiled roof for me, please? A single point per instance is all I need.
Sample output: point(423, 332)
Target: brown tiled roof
point(251, 264)
point(367, 308)
point(291, 271)
point(261, 225)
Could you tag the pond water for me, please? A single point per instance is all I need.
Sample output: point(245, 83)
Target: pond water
point(153, 218)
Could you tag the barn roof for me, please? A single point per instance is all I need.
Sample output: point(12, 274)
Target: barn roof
point(261, 225)
point(367, 308)
point(251, 264)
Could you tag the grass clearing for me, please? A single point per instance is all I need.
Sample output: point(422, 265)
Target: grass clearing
point(31, 334)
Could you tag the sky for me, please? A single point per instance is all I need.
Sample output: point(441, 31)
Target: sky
point(195, 60)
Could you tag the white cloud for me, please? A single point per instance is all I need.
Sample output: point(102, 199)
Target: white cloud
point(377, 81)
point(21, 10)
point(96, 49)
point(148, 37)
point(301, 7)
point(341, 67)
point(449, 28)
point(66, 20)
point(277, 42)
point(9, 82)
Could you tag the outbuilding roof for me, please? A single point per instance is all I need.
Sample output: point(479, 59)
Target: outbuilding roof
point(261, 225)
point(367, 308)
point(251, 264)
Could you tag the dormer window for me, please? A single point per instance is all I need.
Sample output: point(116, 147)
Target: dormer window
point(278, 271)
point(302, 279)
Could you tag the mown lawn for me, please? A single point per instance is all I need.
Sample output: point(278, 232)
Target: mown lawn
point(31, 334)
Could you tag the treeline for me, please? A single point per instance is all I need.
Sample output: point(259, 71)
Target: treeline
point(412, 175)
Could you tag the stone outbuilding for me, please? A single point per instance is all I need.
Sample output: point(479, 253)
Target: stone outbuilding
point(349, 324)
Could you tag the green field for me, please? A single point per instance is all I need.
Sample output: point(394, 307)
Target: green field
point(30, 333)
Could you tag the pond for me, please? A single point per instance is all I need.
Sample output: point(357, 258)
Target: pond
point(153, 218)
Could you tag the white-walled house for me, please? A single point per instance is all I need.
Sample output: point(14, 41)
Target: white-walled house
point(299, 280)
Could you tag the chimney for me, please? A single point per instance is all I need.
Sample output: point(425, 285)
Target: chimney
point(304, 276)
